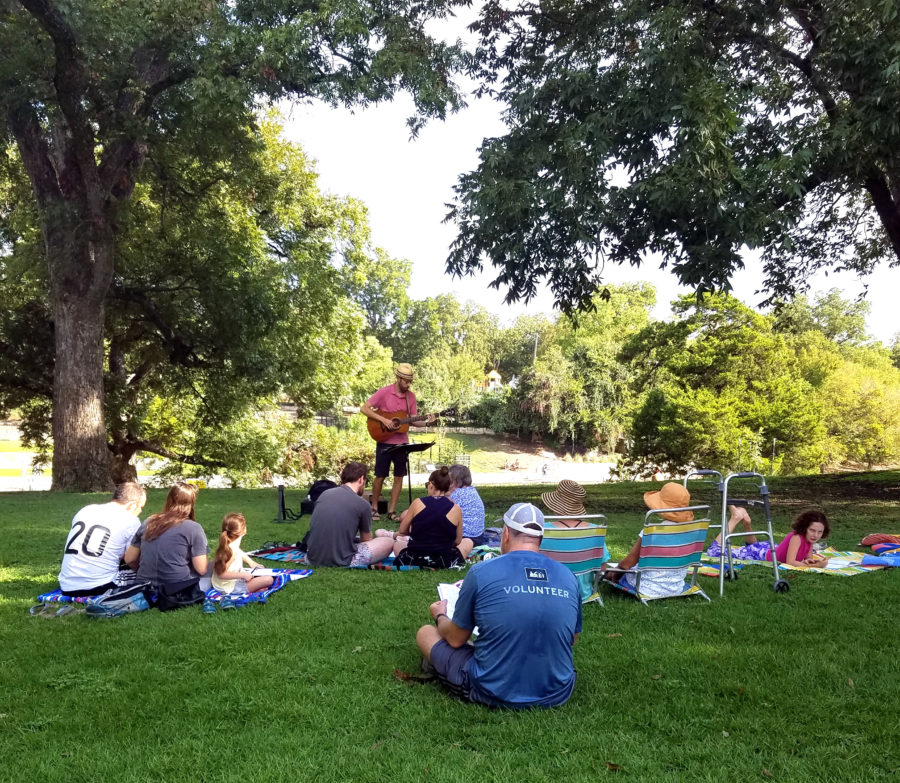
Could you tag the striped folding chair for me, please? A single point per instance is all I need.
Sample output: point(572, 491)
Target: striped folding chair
point(581, 549)
point(669, 546)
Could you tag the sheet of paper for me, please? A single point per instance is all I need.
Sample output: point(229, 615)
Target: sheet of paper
point(450, 592)
point(835, 562)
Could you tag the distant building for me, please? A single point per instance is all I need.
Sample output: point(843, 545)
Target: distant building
point(492, 381)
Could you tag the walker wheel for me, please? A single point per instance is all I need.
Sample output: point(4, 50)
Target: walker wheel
point(781, 586)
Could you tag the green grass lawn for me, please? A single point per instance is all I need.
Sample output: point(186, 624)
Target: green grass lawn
point(754, 686)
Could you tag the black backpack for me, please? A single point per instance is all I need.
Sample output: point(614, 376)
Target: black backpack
point(317, 488)
point(306, 506)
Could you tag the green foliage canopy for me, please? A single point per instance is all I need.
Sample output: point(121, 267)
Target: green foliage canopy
point(720, 385)
point(91, 92)
point(225, 298)
point(686, 130)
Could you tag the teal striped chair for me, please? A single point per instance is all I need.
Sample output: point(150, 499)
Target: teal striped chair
point(581, 549)
point(669, 546)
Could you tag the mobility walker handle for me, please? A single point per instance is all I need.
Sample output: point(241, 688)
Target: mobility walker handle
point(704, 472)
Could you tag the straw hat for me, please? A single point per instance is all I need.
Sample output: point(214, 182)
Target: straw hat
point(567, 500)
point(670, 495)
point(404, 370)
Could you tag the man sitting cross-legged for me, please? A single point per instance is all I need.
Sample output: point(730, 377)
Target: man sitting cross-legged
point(527, 609)
point(339, 515)
point(99, 536)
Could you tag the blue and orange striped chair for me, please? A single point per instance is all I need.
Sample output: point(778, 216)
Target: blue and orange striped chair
point(581, 549)
point(669, 546)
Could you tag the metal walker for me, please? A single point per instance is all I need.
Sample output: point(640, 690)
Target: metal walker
point(722, 486)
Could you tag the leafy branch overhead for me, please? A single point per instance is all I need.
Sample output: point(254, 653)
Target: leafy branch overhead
point(684, 133)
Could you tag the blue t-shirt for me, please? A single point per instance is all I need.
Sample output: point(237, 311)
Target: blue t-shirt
point(528, 609)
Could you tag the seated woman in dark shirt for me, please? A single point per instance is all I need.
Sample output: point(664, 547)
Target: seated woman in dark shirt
point(431, 529)
point(170, 549)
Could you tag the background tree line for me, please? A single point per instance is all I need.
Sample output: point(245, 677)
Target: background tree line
point(241, 287)
point(169, 272)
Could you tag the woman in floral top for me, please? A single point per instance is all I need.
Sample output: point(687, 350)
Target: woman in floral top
point(467, 498)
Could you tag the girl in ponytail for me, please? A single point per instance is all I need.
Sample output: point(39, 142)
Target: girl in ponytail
point(227, 576)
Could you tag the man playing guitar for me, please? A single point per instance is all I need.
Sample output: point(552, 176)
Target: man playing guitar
point(396, 397)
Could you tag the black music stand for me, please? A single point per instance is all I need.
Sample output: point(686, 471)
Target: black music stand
point(407, 449)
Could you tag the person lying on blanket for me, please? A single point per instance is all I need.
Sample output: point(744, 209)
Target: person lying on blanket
point(656, 582)
point(795, 550)
point(227, 576)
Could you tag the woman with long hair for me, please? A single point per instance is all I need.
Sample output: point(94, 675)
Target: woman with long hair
point(170, 550)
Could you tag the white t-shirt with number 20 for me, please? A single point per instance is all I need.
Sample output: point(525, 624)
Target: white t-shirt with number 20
point(95, 545)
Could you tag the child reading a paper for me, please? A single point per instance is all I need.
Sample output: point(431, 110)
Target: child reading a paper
point(796, 549)
point(227, 576)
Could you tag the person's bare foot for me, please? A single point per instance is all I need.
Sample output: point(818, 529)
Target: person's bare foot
point(739, 514)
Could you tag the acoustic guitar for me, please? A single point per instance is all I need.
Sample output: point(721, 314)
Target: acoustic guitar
point(380, 433)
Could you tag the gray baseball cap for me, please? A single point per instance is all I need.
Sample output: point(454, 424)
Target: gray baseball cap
point(525, 518)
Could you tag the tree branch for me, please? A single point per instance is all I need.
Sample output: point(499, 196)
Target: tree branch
point(802, 64)
point(888, 210)
point(190, 459)
point(71, 83)
point(180, 351)
point(35, 153)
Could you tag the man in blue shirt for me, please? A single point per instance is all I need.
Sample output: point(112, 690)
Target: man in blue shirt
point(527, 609)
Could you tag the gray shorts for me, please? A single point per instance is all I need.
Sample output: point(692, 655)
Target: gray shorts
point(451, 666)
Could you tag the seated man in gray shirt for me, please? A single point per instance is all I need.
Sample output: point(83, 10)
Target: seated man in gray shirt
point(339, 515)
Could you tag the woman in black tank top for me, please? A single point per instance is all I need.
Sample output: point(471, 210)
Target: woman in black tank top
point(434, 526)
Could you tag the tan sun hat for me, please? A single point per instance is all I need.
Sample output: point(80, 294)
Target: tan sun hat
point(404, 370)
point(567, 500)
point(670, 495)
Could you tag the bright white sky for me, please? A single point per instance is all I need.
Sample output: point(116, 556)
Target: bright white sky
point(406, 184)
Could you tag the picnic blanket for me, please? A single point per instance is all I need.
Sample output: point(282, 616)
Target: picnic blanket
point(712, 569)
point(281, 577)
point(283, 554)
point(841, 563)
point(56, 597)
point(289, 554)
point(388, 564)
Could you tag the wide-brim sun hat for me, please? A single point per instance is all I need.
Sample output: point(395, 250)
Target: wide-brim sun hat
point(567, 499)
point(404, 370)
point(670, 495)
point(525, 518)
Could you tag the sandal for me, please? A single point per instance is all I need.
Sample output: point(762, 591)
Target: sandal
point(393, 516)
point(376, 517)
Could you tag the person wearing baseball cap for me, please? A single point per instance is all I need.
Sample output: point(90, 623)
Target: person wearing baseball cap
point(528, 611)
point(386, 406)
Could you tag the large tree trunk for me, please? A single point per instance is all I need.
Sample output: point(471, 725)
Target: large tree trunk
point(80, 262)
point(80, 454)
